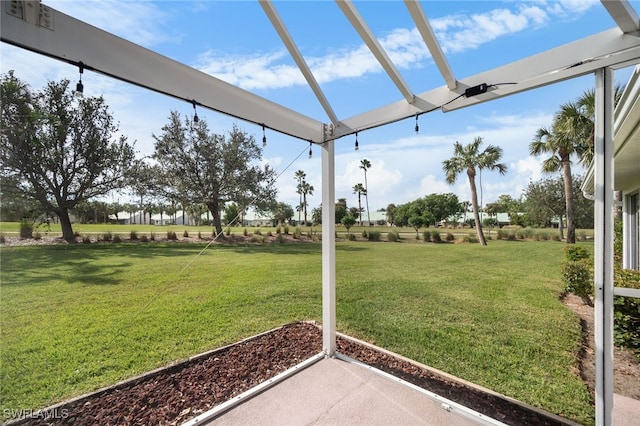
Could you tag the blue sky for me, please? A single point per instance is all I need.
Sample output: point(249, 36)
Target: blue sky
point(234, 41)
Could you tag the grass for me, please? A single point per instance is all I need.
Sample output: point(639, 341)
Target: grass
point(75, 318)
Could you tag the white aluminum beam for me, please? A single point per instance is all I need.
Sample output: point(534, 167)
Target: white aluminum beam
point(429, 37)
point(623, 13)
point(374, 46)
point(328, 249)
point(71, 40)
point(282, 31)
point(603, 246)
point(609, 48)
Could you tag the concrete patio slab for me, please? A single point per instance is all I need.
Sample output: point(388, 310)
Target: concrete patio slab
point(626, 411)
point(335, 392)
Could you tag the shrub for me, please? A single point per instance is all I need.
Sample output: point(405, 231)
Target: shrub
point(573, 253)
point(393, 236)
point(577, 272)
point(286, 230)
point(435, 236)
point(426, 236)
point(86, 239)
point(255, 238)
point(133, 235)
point(470, 239)
point(270, 234)
point(502, 234)
point(374, 236)
point(626, 324)
point(450, 237)
point(280, 238)
point(172, 236)
point(117, 239)
point(144, 238)
point(364, 233)
point(555, 237)
point(26, 229)
point(2, 239)
point(37, 236)
point(227, 231)
point(257, 232)
point(278, 229)
point(297, 233)
point(153, 236)
point(185, 234)
point(199, 235)
point(352, 237)
point(107, 236)
point(525, 233)
point(245, 232)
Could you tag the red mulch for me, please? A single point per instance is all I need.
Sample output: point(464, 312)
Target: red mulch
point(180, 392)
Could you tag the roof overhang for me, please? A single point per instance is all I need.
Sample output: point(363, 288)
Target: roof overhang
point(626, 140)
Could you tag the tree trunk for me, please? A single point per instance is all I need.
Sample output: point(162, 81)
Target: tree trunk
point(366, 196)
point(359, 209)
point(305, 208)
point(474, 204)
point(217, 222)
point(560, 227)
point(65, 224)
point(568, 194)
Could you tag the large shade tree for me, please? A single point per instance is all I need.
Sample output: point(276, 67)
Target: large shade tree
point(60, 149)
point(470, 159)
point(211, 169)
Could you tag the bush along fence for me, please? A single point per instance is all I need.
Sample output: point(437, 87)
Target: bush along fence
point(577, 274)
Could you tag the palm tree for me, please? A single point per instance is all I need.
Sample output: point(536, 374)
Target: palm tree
point(305, 189)
point(465, 206)
point(300, 176)
point(365, 165)
point(469, 158)
point(571, 134)
point(390, 211)
point(360, 190)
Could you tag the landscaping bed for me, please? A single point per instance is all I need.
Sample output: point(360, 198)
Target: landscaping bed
point(174, 394)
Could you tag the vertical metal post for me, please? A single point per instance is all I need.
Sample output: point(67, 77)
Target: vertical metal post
point(603, 238)
point(328, 249)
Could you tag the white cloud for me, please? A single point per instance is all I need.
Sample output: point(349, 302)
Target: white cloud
point(141, 22)
point(456, 33)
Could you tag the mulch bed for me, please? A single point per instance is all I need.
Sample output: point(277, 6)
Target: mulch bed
point(175, 394)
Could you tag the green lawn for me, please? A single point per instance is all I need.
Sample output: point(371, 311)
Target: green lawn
point(75, 318)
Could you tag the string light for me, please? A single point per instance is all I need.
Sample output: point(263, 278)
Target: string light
point(357, 146)
point(310, 151)
point(417, 128)
point(195, 113)
point(80, 86)
point(264, 137)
